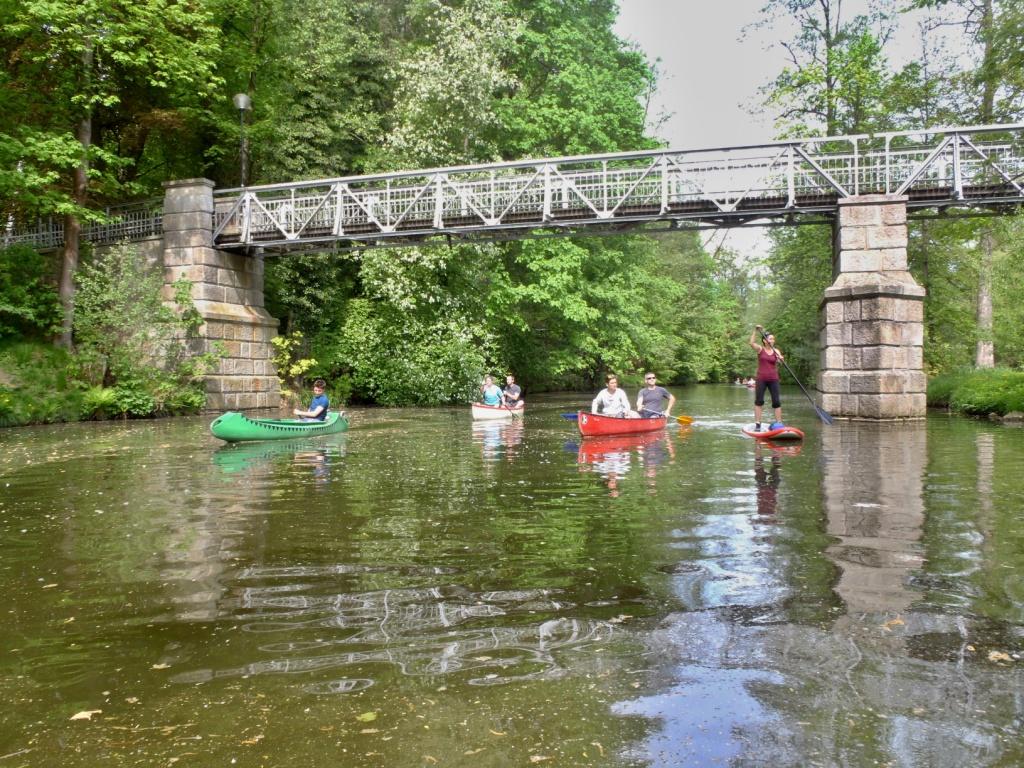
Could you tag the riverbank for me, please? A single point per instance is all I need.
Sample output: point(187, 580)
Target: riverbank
point(40, 384)
point(995, 393)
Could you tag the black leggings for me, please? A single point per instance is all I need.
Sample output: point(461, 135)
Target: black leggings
point(773, 387)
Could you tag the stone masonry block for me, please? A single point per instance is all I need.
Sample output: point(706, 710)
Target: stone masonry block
point(232, 295)
point(853, 214)
point(911, 334)
point(909, 311)
point(850, 405)
point(851, 311)
point(876, 382)
point(878, 357)
point(188, 220)
point(852, 358)
point(207, 292)
point(894, 213)
point(853, 238)
point(860, 261)
point(915, 382)
point(833, 404)
point(228, 277)
point(834, 382)
point(838, 334)
point(894, 259)
point(832, 358)
point(914, 358)
point(878, 308)
point(887, 236)
point(190, 238)
point(833, 312)
point(871, 332)
point(869, 407)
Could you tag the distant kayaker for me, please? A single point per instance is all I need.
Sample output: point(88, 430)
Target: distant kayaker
point(318, 405)
point(651, 398)
point(768, 357)
point(491, 394)
point(612, 401)
point(512, 393)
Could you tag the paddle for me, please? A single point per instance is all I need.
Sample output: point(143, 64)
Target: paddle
point(569, 416)
point(681, 419)
point(824, 415)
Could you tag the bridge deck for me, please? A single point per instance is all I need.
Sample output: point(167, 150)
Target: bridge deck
point(733, 186)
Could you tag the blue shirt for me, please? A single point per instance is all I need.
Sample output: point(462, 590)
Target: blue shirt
point(322, 401)
point(492, 395)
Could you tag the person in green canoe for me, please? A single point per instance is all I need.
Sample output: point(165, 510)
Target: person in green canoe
point(318, 405)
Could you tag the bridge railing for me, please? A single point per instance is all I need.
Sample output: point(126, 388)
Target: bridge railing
point(724, 186)
point(131, 221)
point(730, 185)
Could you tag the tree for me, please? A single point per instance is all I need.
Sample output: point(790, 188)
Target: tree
point(836, 73)
point(995, 83)
point(70, 64)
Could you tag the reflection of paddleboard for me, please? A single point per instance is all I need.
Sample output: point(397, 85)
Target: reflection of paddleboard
point(782, 433)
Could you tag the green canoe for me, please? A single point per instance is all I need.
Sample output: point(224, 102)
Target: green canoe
point(236, 427)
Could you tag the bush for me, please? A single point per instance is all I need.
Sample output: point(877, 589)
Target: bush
point(42, 385)
point(133, 343)
point(979, 392)
point(29, 304)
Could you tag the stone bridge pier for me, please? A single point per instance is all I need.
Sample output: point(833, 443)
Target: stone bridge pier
point(872, 316)
point(227, 289)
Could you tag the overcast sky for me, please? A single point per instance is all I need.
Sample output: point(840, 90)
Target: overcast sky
point(710, 72)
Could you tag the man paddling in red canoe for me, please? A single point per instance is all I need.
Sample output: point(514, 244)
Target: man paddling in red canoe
point(651, 398)
point(612, 401)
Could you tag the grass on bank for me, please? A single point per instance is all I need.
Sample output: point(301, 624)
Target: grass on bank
point(41, 384)
point(978, 392)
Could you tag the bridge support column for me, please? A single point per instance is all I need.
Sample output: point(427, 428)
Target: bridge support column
point(227, 289)
point(872, 316)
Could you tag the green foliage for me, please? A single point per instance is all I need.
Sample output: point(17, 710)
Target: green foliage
point(40, 385)
point(129, 339)
point(99, 403)
point(979, 392)
point(393, 359)
point(131, 72)
point(799, 269)
point(289, 363)
point(29, 306)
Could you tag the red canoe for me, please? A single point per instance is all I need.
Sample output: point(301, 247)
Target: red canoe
point(593, 424)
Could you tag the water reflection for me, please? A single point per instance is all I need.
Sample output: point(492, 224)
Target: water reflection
point(420, 631)
point(317, 455)
point(873, 500)
point(857, 602)
point(499, 439)
point(611, 457)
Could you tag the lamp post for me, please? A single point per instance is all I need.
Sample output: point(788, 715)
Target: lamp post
point(243, 104)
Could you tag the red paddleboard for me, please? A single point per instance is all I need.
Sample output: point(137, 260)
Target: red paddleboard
point(782, 433)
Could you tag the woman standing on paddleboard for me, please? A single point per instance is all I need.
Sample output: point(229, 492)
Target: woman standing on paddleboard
point(768, 357)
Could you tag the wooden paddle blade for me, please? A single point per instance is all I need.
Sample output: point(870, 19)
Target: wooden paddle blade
point(684, 419)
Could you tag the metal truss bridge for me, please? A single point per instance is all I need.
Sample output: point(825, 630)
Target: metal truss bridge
point(779, 182)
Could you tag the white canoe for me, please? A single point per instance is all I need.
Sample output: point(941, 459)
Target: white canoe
point(481, 411)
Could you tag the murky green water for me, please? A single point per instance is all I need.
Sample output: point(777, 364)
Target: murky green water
point(429, 591)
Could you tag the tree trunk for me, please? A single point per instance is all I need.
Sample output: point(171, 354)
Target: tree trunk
point(984, 351)
point(72, 224)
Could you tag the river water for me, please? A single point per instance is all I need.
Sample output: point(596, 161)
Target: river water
point(425, 590)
